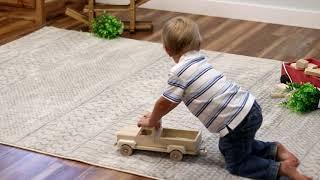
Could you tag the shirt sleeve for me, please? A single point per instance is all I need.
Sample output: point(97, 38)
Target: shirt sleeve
point(175, 89)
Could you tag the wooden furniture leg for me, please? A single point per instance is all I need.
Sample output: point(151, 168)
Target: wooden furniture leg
point(35, 14)
point(132, 26)
point(40, 17)
point(76, 15)
point(91, 12)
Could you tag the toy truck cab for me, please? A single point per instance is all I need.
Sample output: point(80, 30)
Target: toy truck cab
point(173, 141)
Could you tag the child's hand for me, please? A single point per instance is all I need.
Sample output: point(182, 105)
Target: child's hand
point(161, 108)
point(145, 121)
point(147, 114)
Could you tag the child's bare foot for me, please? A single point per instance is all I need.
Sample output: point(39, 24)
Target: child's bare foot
point(283, 154)
point(287, 169)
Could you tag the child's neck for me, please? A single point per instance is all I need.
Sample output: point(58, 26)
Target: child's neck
point(176, 58)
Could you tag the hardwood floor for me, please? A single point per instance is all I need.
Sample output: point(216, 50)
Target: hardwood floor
point(219, 34)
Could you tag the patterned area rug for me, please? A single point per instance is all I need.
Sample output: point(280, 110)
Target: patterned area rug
point(66, 93)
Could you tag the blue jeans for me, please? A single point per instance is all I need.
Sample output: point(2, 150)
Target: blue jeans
point(244, 155)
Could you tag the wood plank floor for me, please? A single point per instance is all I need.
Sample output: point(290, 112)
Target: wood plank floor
point(219, 34)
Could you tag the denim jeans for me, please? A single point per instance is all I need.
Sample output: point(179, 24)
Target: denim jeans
point(244, 155)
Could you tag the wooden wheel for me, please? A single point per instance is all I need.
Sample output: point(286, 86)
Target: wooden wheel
point(126, 150)
point(176, 155)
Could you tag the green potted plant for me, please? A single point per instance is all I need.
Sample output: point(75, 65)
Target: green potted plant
point(107, 26)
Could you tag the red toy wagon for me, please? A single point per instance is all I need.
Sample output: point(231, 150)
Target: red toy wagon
point(291, 74)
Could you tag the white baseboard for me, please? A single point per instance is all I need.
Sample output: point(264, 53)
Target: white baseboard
point(239, 10)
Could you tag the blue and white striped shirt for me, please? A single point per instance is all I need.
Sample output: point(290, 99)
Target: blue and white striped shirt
point(215, 101)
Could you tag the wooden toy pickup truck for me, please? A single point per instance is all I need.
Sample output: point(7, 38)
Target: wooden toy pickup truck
point(174, 141)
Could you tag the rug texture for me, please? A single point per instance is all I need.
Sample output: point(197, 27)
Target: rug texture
point(66, 93)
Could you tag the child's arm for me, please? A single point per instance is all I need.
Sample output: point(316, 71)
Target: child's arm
point(161, 108)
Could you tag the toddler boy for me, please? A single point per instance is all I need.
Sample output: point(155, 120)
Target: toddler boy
point(222, 106)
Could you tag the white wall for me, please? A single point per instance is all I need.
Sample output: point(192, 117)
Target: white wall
point(313, 5)
point(304, 13)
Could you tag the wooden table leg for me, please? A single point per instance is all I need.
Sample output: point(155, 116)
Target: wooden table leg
point(132, 16)
point(40, 17)
point(91, 12)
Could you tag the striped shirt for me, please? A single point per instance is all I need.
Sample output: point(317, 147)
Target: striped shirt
point(215, 101)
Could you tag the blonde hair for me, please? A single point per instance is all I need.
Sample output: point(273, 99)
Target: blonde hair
point(180, 35)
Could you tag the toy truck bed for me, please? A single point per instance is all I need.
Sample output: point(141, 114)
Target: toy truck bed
point(189, 139)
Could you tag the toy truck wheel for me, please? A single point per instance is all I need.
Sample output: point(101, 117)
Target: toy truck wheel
point(126, 150)
point(176, 155)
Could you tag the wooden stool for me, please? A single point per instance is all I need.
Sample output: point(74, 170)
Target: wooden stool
point(92, 8)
